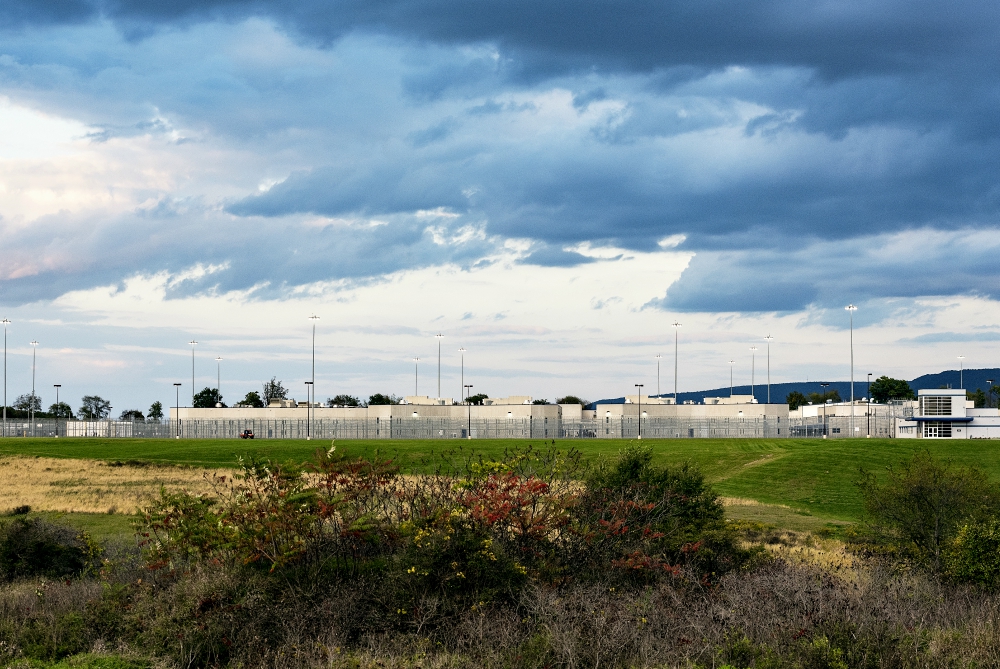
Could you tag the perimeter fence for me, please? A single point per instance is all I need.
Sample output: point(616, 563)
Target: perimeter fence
point(617, 427)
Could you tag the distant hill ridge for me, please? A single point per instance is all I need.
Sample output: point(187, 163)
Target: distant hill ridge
point(973, 379)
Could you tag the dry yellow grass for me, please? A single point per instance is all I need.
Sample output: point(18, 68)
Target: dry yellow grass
point(50, 484)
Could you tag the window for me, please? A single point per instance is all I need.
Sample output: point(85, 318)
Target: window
point(935, 405)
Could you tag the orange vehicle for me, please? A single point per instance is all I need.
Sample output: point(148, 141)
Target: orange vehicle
point(246, 434)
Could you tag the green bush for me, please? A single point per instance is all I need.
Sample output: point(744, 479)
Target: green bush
point(974, 555)
point(915, 511)
point(32, 547)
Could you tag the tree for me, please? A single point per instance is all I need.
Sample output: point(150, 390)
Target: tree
point(477, 399)
point(273, 390)
point(94, 407)
point(821, 398)
point(978, 398)
point(344, 401)
point(252, 400)
point(61, 411)
point(28, 402)
point(795, 399)
point(378, 399)
point(133, 415)
point(885, 389)
point(540, 402)
point(207, 398)
point(572, 399)
point(155, 413)
point(918, 508)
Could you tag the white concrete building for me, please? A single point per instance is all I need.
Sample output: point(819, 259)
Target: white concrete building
point(947, 414)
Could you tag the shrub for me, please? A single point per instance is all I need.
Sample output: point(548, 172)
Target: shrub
point(917, 511)
point(647, 521)
point(32, 547)
point(974, 555)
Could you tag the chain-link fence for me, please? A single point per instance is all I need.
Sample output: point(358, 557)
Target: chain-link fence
point(617, 427)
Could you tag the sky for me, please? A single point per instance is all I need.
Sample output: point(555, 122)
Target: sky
point(550, 186)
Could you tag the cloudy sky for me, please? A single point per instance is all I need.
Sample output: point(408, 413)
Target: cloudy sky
point(550, 185)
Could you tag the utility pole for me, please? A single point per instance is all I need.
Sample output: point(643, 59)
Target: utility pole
point(731, 363)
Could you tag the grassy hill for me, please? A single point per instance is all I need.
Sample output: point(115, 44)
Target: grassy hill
point(808, 476)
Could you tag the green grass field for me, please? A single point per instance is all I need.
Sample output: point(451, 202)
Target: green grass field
point(812, 477)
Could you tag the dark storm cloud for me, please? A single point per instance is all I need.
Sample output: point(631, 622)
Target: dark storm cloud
point(809, 127)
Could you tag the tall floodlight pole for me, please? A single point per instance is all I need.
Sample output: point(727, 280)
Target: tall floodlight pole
point(313, 318)
point(658, 356)
point(193, 344)
point(468, 391)
point(416, 376)
point(309, 385)
point(823, 386)
point(439, 337)
point(768, 338)
point(6, 322)
point(989, 403)
point(218, 381)
point(961, 372)
point(851, 309)
point(639, 386)
point(57, 386)
point(753, 370)
point(177, 411)
point(731, 363)
point(34, 347)
point(868, 394)
point(677, 329)
point(462, 353)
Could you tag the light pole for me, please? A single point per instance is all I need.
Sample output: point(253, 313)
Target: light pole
point(639, 386)
point(218, 381)
point(823, 386)
point(462, 352)
point(34, 347)
point(57, 386)
point(658, 356)
point(177, 411)
point(416, 376)
point(851, 309)
point(961, 372)
point(768, 338)
point(439, 337)
point(731, 363)
point(677, 329)
point(193, 344)
point(309, 386)
point(869, 395)
point(753, 371)
point(990, 381)
point(468, 390)
point(6, 322)
point(313, 318)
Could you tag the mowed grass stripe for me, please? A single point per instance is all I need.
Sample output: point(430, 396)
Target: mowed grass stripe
point(812, 476)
